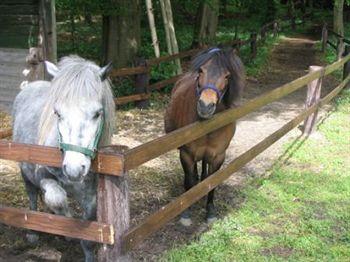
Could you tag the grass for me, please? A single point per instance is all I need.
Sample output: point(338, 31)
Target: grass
point(300, 213)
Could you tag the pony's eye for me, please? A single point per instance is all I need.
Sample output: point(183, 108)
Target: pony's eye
point(200, 71)
point(96, 115)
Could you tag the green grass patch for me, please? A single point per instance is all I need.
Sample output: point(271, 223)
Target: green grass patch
point(300, 213)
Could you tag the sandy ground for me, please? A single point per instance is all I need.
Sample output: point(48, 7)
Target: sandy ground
point(159, 181)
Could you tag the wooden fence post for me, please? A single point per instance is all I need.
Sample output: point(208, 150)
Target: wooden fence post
point(141, 83)
point(324, 37)
point(253, 47)
point(346, 69)
point(113, 208)
point(313, 96)
point(48, 29)
point(340, 48)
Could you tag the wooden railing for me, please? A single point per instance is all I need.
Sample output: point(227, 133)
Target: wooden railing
point(144, 87)
point(340, 44)
point(145, 152)
point(112, 225)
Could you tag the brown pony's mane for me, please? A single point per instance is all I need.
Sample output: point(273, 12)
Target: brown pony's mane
point(226, 59)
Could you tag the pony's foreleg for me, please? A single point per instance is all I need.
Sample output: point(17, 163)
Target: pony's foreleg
point(55, 197)
point(32, 192)
point(88, 204)
point(191, 178)
point(212, 168)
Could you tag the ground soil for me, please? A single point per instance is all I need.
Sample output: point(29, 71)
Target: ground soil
point(159, 181)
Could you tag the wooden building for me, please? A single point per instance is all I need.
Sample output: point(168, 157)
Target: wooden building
point(23, 24)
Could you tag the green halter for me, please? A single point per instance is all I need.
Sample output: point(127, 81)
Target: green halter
point(88, 151)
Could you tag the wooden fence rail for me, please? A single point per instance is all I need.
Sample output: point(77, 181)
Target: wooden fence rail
point(58, 225)
point(113, 202)
point(152, 149)
point(176, 207)
point(253, 41)
point(339, 46)
point(104, 163)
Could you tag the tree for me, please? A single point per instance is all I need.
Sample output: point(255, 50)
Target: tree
point(121, 32)
point(207, 22)
point(170, 31)
point(338, 23)
point(152, 27)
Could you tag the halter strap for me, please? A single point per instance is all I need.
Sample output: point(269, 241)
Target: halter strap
point(88, 151)
point(215, 49)
point(211, 87)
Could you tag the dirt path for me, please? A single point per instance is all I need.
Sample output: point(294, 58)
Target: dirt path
point(159, 181)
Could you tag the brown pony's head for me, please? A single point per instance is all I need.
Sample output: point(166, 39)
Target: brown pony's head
point(220, 79)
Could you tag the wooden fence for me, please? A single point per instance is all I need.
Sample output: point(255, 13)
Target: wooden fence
point(112, 225)
point(340, 44)
point(142, 85)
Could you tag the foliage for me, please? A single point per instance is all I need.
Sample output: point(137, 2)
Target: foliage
point(238, 19)
point(300, 213)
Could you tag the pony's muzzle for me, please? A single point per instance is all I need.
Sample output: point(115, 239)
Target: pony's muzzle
point(205, 110)
point(75, 166)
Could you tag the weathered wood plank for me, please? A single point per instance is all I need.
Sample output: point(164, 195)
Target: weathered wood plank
point(156, 61)
point(150, 150)
point(141, 84)
point(16, 41)
point(128, 71)
point(132, 98)
point(22, 30)
point(312, 97)
point(163, 83)
point(25, 9)
point(18, 2)
point(113, 208)
point(7, 20)
point(174, 208)
point(109, 164)
point(346, 68)
point(58, 225)
point(48, 31)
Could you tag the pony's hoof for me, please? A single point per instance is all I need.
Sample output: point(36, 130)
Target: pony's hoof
point(32, 238)
point(211, 220)
point(186, 221)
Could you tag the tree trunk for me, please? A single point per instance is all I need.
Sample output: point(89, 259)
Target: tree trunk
point(170, 31)
point(338, 24)
point(291, 8)
point(303, 6)
point(122, 34)
point(166, 27)
point(207, 22)
point(152, 27)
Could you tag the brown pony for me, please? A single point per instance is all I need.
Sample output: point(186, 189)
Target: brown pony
point(215, 82)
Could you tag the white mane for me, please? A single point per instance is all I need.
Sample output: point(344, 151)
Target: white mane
point(77, 78)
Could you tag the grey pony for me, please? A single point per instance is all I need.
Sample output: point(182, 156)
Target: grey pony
point(71, 108)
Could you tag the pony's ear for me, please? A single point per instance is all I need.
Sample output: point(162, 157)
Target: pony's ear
point(104, 71)
point(51, 68)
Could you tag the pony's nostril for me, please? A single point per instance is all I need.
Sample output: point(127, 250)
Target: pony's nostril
point(201, 104)
point(211, 106)
point(83, 169)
